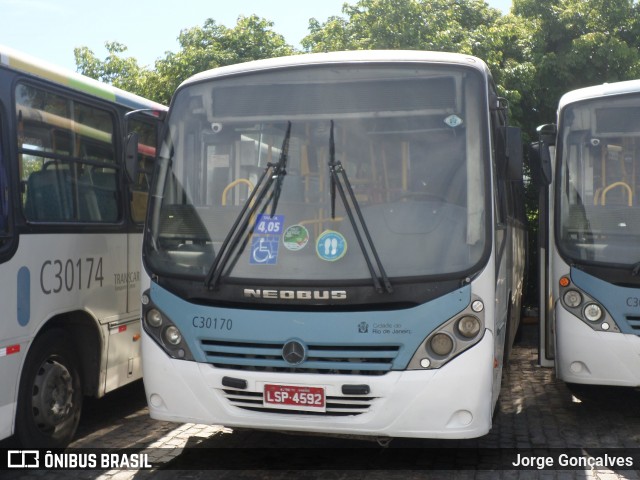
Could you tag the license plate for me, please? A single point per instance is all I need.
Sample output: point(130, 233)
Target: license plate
point(294, 397)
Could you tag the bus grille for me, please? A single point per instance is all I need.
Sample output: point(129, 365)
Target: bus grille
point(340, 406)
point(322, 359)
point(634, 323)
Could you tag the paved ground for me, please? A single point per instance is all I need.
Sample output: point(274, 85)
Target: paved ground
point(536, 415)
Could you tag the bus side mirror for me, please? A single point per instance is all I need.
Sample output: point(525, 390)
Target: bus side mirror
point(540, 154)
point(514, 154)
point(131, 156)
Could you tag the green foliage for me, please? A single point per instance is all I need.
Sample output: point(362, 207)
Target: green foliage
point(576, 43)
point(121, 72)
point(201, 48)
point(537, 52)
point(445, 25)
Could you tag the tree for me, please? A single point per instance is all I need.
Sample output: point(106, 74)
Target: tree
point(453, 26)
point(201, 48)
point(117, 70)
point(462, 26)
point(577, 43)
point(538, 52)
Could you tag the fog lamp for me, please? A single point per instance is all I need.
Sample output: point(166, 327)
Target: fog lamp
point(441, 344)
point(154, 318)
point(468, 326)
point(172, 335)
point(592, 312)
point(572, 298)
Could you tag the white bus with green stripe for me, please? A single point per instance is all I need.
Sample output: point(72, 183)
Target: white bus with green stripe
point(71, 220)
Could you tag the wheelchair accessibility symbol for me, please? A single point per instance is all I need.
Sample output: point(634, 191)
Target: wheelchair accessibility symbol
point(264, 250)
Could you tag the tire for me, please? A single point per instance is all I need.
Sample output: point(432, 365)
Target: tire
point(50, 395)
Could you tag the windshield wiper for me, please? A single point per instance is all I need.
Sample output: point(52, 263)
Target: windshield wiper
point(249, 208)
point(336, 170)
point(280, 170)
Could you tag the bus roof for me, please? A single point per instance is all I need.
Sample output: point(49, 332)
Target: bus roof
point(355, 56)
point(12, 59)
point(597, 91)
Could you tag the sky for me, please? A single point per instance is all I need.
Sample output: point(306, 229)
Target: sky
point(51, 29)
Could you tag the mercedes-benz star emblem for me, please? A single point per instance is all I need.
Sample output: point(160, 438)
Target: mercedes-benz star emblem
point(294, 352)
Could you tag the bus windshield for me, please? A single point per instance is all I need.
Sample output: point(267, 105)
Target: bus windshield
point(410, 140)
point(598, 179)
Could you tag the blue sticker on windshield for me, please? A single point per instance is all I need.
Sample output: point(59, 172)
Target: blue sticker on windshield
point(331, 246)
point(265, 240)
point(264, 250)
point(268, 225)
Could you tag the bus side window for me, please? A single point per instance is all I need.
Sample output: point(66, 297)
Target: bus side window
point(48, 196)
point(67, 159)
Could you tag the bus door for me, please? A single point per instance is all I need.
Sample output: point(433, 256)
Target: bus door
point(145, 127)
point(541, 161)
point(124, 346)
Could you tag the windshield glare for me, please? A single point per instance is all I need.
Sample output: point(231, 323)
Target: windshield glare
point(410, 139)
point(599, 205)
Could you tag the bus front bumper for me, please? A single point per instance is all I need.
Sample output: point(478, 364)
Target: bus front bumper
point(451, 402)
point(586, 356)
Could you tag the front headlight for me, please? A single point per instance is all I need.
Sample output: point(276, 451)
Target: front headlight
point(441, 344)
point(468, 326)
point(592, 312)
point(589, 310)
point(154, 318)
point(572, 298)
point(453, 337)
point(172, 335)
point(161, 328)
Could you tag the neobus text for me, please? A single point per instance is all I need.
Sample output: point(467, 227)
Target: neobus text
point(70, 274)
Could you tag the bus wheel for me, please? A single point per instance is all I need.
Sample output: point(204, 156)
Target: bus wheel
point(50, 397)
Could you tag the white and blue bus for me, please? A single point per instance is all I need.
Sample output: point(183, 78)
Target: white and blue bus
point(70, 240)
point(590, 237)
point(335, 244)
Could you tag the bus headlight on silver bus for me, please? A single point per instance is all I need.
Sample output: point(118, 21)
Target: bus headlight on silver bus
point(164, 331)
point(451, 338)
point(154, 318)
point(592, 312)
point(586, 308)
point(469, 326)
point(173, 335)
point(441, 344)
